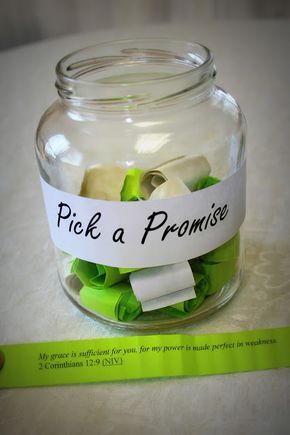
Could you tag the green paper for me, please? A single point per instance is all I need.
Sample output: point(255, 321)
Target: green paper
point(127, 269)
point(182, 308)
point(131, 190)
point(117, 302)
point(228, 251)
point(84, 270)
point(217, 274)
point(97, 275)
point(219, 265)
point(206, 182)
point(147, 356)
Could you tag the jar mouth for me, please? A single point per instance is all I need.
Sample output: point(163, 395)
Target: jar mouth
point(133, 71)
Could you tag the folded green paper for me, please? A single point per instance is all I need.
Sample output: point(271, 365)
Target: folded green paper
point(117, 302)
point(217, 274)
point(97, 275)
point(182, 308)
point(219, 265)
point(84, 270)
point(131, 190)
point(206, 182)
point(226, 252)
point(123, 270)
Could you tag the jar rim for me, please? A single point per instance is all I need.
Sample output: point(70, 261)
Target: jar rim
point(193, 60)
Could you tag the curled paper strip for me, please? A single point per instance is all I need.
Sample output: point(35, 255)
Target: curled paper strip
point(166, 300)
point(131, 190)
point(97, 275)
point(190, 169)
point(103, 182)
point(228, 251)
point(170, 188)
point(206, 182)
point(153, 283)
point(123, 270)
point(182, 308)
point(218, 274)
point(117, 302)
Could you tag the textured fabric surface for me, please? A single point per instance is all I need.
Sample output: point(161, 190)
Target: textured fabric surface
point(253, 65)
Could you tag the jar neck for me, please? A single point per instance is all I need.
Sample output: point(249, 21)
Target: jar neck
point(134, 74)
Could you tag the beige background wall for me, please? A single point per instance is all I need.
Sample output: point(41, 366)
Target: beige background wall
point(24, 21)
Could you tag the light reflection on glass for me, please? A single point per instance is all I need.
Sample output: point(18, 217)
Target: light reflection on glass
point(151, 142)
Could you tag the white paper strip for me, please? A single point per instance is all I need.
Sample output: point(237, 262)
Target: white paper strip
point(167, 300)
point(170, 188)
point(154, 282)
point(190, 169)
point(103, 182)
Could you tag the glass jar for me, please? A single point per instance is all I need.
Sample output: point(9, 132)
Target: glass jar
point(142, 164)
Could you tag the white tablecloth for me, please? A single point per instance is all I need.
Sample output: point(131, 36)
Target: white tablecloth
point(253, 64)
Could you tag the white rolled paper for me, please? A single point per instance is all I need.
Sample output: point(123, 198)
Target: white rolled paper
point(103, 182)
point(172, 187)
point(160, 285)
point(167, 300)
point(190, 169)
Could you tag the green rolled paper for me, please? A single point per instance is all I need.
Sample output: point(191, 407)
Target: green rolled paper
point(205, 182)
point(131, 190)
point(97, 275)
point(84, 270)
point(116, 303)
point(217, 274)
point(123, 270)
point(231, 248)
point(182, 308)
point(226, 252)
point(219, 265)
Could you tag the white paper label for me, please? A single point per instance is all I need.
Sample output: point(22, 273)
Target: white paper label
point(146, 233)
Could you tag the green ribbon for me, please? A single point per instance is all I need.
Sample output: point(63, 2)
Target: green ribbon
point(117, 302)
point(131, 190)
point(97, 275)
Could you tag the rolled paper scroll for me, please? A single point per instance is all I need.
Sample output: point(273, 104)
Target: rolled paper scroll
point(117, 302)
point(97, 275)
point(103, 182)
point(123, 270)
point(182, 308)
point(84, 270)
point(166, 300)
point(226, 252)
point(152, 283)
point(220, 264)
point(131, 190)
point(170, 188)
point(206, 182)
point(190, 169)
point(217, 274)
